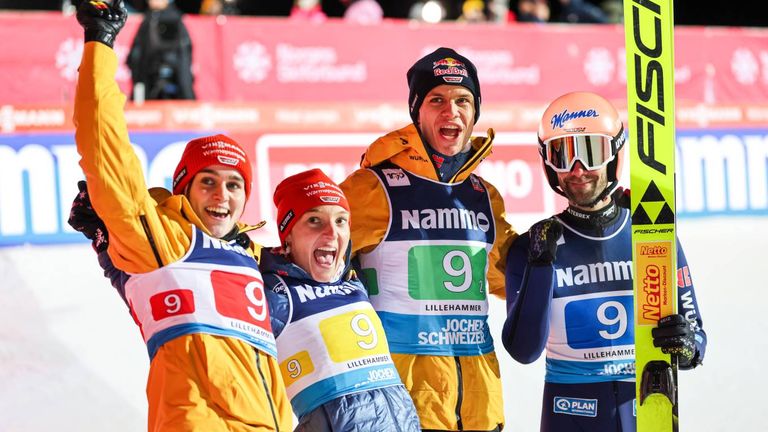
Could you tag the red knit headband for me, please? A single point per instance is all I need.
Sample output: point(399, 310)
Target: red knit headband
point(211, 150)
point(301, 192)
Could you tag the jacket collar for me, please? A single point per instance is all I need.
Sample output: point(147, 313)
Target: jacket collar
point(181, 204)
point(405, 149)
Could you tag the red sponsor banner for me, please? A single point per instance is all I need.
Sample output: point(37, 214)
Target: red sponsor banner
point(41, 53)
point(301, 96)
point(277, 60)
point(40, 67)
point(269, 117)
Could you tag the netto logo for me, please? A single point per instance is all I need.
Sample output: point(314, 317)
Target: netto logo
point(654, 250)
point(651, 296)
point(650, 84)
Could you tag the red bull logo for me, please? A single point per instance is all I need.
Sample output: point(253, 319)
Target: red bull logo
point(451, 71)
point(449, 66)
point(448, 62)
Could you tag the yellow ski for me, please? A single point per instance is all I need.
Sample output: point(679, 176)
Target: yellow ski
point(649, 29)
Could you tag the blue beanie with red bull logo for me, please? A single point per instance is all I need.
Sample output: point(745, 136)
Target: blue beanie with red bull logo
point(442, 66)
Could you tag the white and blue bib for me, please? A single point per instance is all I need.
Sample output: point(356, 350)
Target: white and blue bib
point(427, 278)
point(591, 336)
point(216, 288)
point(332, 345)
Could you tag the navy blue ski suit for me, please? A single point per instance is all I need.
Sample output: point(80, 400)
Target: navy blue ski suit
point(580, 308)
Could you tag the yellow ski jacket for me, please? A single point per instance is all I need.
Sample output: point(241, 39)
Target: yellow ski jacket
point(450, 393)
point(196, 381)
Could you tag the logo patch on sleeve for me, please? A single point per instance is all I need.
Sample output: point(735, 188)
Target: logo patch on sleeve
point(476, 183)
point(575, 406)
point(396, 177)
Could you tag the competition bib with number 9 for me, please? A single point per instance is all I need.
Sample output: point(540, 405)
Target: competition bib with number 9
point(427, 278)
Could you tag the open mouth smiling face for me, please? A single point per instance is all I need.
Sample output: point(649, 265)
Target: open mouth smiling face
point(447, 118)
point(319, 240)
point(217, 195)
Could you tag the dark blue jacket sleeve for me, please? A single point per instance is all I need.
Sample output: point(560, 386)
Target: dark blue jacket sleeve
point(529, 298)
point(117, 277)
point(689, 307)
point(277, 300)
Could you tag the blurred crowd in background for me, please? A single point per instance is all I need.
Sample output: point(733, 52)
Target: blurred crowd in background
point(687, 12)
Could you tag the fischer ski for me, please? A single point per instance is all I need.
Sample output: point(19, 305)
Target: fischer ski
point(649, 38)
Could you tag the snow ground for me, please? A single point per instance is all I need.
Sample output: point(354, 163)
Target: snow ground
point(71, 358)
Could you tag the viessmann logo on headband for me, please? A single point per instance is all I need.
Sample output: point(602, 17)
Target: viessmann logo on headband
point(228, 160)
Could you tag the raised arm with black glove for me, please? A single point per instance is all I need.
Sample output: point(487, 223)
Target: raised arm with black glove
point(543, 243)
point(622, 197)
point(101, 20)
point(529, 291)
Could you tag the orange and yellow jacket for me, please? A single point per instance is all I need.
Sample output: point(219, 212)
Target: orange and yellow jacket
point(196, 381)
point(450, 393)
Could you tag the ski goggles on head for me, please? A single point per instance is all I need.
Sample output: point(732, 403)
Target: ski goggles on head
point(593, 151)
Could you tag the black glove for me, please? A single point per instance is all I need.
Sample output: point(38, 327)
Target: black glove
point(622, 197)
point(677, 336)
point(542, 246)
point(83, 218)
point(101, 21)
